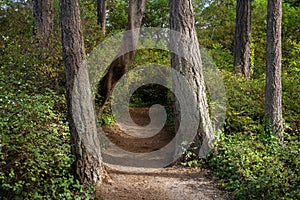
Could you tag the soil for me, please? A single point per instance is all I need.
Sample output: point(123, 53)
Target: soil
point(170, 183)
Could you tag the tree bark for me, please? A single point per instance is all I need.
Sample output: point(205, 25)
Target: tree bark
point(43, 19)
point(273, 107)
point(242, 49)
point(120, 64)
point(101, 12)
point(182, 21)
point(84, 137)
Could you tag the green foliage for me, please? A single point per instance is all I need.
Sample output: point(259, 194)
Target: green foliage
point(290, 84)
point(215, 22)
point(20, 51)
point(254, 166)
point(294, 3)
point(157, 14)
point(107, 117)
point(35, 154)
point(190, 156)
point(247, 158)
point(117, 15)
point(156, 56)
point(222, 57)
point(290, 23)
point(92, 31)
point(245, 104)
point(259, 37)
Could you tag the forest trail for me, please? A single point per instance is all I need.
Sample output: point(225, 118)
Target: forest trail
point(170, 183)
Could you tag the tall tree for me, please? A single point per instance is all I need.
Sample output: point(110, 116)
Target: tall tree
point(273, 107)
point(242, 51)
point(101, 12)
point(120, 64)
point(43, 19)
point(84, 137)
point(182, 21)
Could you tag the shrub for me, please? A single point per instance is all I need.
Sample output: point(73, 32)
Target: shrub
point(35, 153)
point(256, 167)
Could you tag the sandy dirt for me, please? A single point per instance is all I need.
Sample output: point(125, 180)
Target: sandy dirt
point(169, 183)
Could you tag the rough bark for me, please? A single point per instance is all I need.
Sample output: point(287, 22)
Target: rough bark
point(84, 138)
point(43, 19)
point(273, 107)
point(101, 12)
point(182, 21)
point(242, 51)
point(120, 64)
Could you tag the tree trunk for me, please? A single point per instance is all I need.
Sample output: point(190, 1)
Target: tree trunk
point(242, 51)
point(182, 21)
point(273, 107)
point(84, 137)
point(43, 19)
point(120, 64)
point(101, 12)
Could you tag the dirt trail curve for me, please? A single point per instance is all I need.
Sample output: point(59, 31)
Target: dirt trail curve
point(171, 183)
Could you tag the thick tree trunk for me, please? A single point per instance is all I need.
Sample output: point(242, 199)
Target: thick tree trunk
point(101, 12)
point(121, 62)
point(242, 51)
point(273, 106)
point(182, 21)
point(43, 19)
point(81, 115)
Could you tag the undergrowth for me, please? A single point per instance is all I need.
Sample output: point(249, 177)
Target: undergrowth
point(35, 152)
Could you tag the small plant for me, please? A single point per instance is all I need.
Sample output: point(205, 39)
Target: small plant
point(107, 118)
point(190, 157)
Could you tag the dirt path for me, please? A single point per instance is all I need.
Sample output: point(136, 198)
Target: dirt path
point(173, 183)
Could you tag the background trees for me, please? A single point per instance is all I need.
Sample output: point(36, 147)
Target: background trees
point(43, 19)
point(273, 106)
point(101, 13)
point(120, 64)
point(242, 43)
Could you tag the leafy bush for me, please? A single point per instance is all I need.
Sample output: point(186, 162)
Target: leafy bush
point(245, 104)
point(247, 158)
point(256, 167)
point(222, 57)
point(35, 154)
point(107, 117)
point(190, 156)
